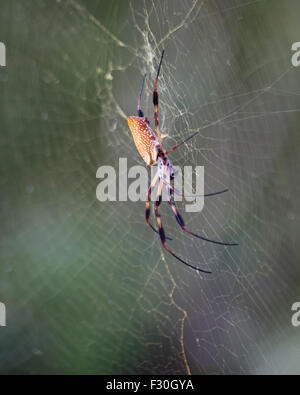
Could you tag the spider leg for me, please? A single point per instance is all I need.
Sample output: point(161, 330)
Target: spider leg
point(182, 142)
point(193, 195)
point(139, 110)
point(183, 227)
point(154, 181)
point(155, 102)
point(162, 232)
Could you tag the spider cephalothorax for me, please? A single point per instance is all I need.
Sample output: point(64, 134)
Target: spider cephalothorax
point(165, 168)
point(150, 148)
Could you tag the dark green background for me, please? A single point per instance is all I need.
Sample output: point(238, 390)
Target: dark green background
point(86, 285)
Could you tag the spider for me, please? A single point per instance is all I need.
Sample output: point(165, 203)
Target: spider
point(150, 148)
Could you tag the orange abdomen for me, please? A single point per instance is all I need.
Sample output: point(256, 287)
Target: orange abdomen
point(144, 138)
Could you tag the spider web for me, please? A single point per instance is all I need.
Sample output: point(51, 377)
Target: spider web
point(87, 286)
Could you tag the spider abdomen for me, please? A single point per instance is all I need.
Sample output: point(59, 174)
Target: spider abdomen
point(144, 138)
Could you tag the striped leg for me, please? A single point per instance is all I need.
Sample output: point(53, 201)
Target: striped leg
point(177, 192)
point(154, 181)
point(139, 110)
point(183, 227)
point(162, 232)
point(182, 142)
point(155, 102)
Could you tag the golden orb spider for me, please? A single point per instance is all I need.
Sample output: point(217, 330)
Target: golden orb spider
point(150, 148)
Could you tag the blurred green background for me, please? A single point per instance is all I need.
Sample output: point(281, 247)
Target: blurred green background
point(86, 285)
